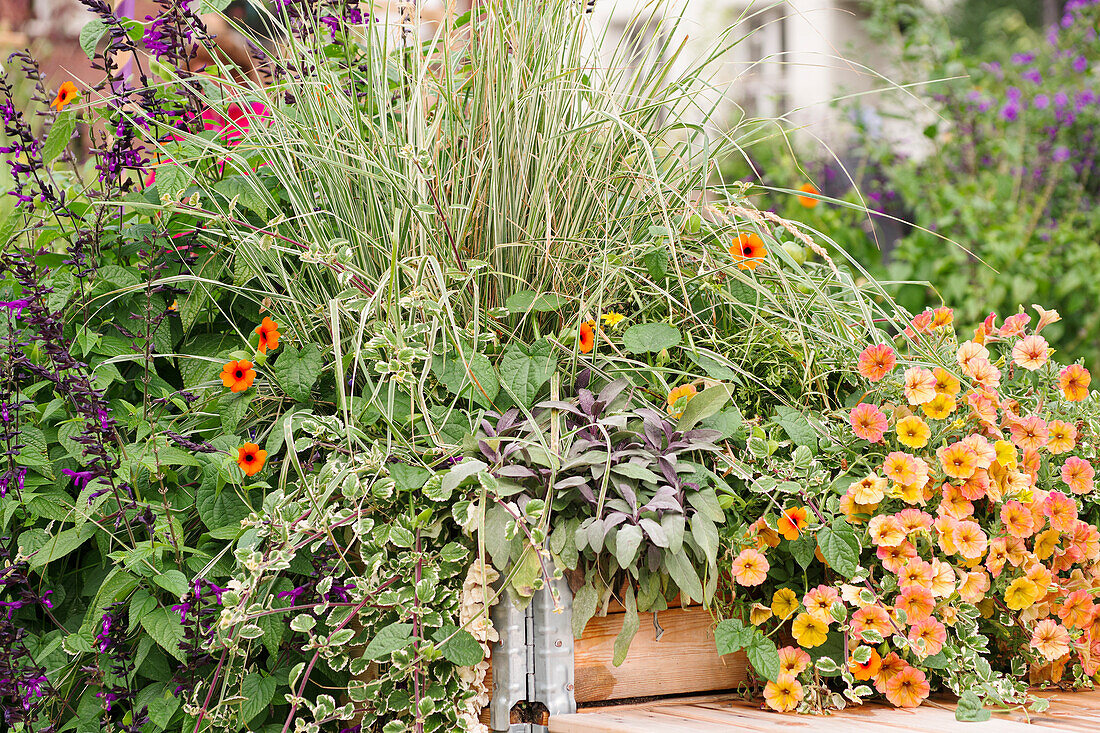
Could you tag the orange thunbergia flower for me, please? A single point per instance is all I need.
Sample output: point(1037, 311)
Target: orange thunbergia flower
point(748, 250)
point(868, 422)
point(875, 361)
point(65, 95)
point(238, 375)
point(1062, 437)
point(920, 385)
point(750, 568)
point(946, 383)
point(791, 521)
point(251, 459)
point(1078, 473)
point(908, 688)
point(679, 397)
point(793, 661)
point(808, 201)
point(809, 631)
point(1074, 382)
point(931, 632)
point(269, 335)
point(588, 337)
point(784, 694)
point(1031, 352)
point(864, 671)
point(958, 460)
point(1050, 639)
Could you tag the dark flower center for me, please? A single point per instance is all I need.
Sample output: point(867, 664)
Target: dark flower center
point(240, 374)
point(249, 458)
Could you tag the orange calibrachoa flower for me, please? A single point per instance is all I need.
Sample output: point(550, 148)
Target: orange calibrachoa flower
point(750, 568)
point(748, 250)
point(784, 604)
point(1031, 352)
point(939, 406)
point(809, 201)
point(588, 337)
point(238, 375)
point(908, 688)
point(912, 432)
point(868, 422)
point(269, 335)
point(1062, 436)
point(1077, 473)
point(809, 631)
point(784, 694)
point(251, 458)
point(1050, 639)
point(793, 660)
point(920, 385)
point(946, 383)
point(791, 521)
point(65, 95)
point(1074, 382)
point(876, 361)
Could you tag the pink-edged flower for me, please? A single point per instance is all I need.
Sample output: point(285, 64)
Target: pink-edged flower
point(868, 422)
point(1031, 352)
point(920, 385)
point(876, 361)
point(1078, 475)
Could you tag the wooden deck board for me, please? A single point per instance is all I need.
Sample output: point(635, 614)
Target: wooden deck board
point(1068, 711)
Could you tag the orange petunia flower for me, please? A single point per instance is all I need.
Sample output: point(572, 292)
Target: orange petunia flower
point(251, 459)
point(750, 568)
point(1050, 639)
point(868, 422)
point(238, 375)
point(791, 521)
point(808, 201)
point(679, 397)
point(747, 250)
point(65, 95)
point(908, 688)
point(783, 694)
point(269, 335)
point(931, 632)
point(588, 337)
point(1062, 437)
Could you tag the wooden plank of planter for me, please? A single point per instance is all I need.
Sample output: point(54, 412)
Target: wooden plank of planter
point(684, 660)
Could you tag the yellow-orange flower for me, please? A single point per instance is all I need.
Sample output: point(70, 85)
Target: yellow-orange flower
point(1017, 519)
point(1050, 639)
point(269, 335)
point(912, 432)
point(612, 318)
point(892, 665)
point(902, 468)
point(958, 460)
point(969, 539)
point(251, 459)
point(939, 406)
point(871, 618)
point(876, 361)
point(792, 660)
point(1078, 475)
point(1030, 433)
point(784, 604)
point(1006, 454)
point(1074, 382)
point(1061, 437)
point(886, 531)
point(946, 383)
point(808, 201)
point(809, 631)
point(759, 613)
point(65, 95)
point(968, 352)
point(819, 602)
point(973, 586)
point(1021, 593)
point(908, 688)
point(869, 490)
point(750, 568)
point(783, 694)
point(748, 250)
point(917, 602)
point(679, 397)
point(238, 375)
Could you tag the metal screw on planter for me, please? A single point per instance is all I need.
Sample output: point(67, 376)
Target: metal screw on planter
point(533, 662)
